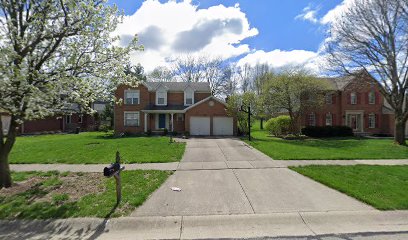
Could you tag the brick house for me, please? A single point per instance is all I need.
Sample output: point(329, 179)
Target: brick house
point(54, 124)
point(176, 106)
point(354, 101)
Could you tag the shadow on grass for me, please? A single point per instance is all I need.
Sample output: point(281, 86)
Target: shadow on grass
point(326, 143)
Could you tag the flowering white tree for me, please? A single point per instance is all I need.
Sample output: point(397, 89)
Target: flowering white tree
point(55, 53)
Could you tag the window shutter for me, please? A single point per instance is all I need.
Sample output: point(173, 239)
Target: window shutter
point(348, 98)
point(377, 98)
point(358, 98)
point(333, 98)
point(334, 122)
point(367, 98)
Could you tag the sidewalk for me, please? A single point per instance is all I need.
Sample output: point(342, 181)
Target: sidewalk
point(201, 165)
point(212, 226)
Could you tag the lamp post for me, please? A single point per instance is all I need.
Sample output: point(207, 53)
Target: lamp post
point(249, 119)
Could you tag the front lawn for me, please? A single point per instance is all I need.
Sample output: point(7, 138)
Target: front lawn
point(383, 187)
point(42, 195)
point(326, 149)
point(94, 147)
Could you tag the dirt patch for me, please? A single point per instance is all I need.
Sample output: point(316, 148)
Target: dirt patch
point(75, 185)
point(78, 185)
point(21, 187)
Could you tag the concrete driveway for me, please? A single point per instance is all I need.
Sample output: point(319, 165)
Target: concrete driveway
point(225, 176)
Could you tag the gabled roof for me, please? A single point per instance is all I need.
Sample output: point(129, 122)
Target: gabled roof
point(338, 83)
point(178, 86)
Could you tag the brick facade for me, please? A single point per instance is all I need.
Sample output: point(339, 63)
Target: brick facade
point(149, 111)
point(350, 106)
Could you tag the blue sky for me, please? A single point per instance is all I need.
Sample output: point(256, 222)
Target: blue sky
point(292, 30)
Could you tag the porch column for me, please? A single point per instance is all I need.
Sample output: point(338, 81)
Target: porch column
point(145, 121)
point(172, 122)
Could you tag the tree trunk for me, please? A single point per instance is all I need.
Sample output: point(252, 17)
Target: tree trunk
point(5, 177)
point(5, 149)
point(261, 124)
point(400, 132)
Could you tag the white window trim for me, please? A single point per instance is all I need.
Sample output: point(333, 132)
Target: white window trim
point(138, 118)
point(162, 90)
point(66, 119)
point(314, 119)
point(185, 96)
point(353, 96)
point(371, 120)
point(80, 117)
point(329, 98)
point(135, 91)
point(331, 119)
point(371, 94)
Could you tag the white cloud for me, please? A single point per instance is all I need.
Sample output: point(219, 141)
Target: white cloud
point(336, 12)
point(278, 58)
point(173, 28)
point(308, 14)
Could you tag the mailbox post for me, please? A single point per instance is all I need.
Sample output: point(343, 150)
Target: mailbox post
point(114, 170)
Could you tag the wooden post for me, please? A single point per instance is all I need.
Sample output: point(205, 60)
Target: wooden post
point(118, 187)
point(118, 181)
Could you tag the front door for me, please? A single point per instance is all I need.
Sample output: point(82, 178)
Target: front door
point(355, 122)
point(162, 120)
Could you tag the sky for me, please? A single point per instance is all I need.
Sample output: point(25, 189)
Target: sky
point(276, 32)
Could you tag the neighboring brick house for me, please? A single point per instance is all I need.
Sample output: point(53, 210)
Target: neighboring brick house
point(176, 106)
point(354, 101)
point(61, 123)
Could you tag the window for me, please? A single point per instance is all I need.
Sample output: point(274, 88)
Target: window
point(353, 98)
point(131, 119)
point(312, 119)
point(161, 97)
point(132, 97)
point(188, 96)
point(68, 119)
point(329, 119)
point(371, 120)
point(79, 118)
point(329, 98)
point(371, 97)
point(180, 117)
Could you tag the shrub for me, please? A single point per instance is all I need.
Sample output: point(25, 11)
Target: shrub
point(149, 132)
point(278, 126)
point(327, 131)
point(105, 128)
point(165, 132)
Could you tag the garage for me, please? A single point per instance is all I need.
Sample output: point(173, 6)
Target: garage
point(200, 126)
point(223, 126)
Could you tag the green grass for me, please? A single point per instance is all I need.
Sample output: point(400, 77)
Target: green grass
point(94, 147)
point(383, 187)
point(326, 149)
point(136, 187)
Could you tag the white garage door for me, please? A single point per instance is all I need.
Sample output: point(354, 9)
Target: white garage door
point(223, 126)
point(200, 126)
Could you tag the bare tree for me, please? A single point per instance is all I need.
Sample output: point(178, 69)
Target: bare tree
point(373, 35)
point(201, 69)
point(245, 74)
point(161, 74)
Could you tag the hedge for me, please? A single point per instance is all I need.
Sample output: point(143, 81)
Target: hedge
point(327, 131)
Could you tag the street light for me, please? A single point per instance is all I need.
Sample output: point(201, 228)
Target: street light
point(249, 119)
